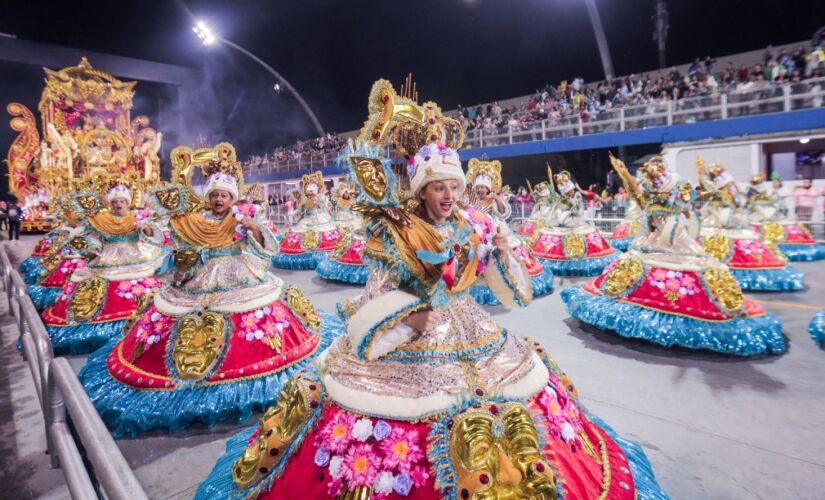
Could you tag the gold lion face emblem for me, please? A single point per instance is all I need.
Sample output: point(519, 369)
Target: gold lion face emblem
point(497, 455)
point(198, 345)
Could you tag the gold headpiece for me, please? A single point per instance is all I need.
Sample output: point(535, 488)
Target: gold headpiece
point(485, 168)
point(316, 178)
point(102, 183)
point(222, 158)
point(410, 126)
point(654, 168)
point(757, 179)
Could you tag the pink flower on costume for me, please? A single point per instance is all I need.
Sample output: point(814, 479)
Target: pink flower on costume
point(361, 465)
point(401, 449)
point(659, 274)
point(336, 435)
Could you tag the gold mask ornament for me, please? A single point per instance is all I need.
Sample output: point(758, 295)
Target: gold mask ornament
point(724, 287)
point(87, 298)
point(717, 246)
point(624, 274)
point(302, 306)
point(198, 344)
point(497, 455)
point(574, 245)
point(371, 175)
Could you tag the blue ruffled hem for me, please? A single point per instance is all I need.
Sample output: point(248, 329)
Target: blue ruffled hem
point(742, 337)
point(788, 278)
point(807, 253)
point(621, 244)
point(128, 411)
point(30, 269)
point(219, 483)
point(647, 488)
point(541, 284)
point(83, 338)
point(578, 267)
point(43, 297)
point(332, 270)
point(298, 261)
point(817, 329)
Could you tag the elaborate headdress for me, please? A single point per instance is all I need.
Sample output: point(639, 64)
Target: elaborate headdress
point(218, 165)
point(485, 173)
point(127, 186)
point(713, 177)
point(757, 179)
point(421, 133)
point(314, 183)
point(564, 182)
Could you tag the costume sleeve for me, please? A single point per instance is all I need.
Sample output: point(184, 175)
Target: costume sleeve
point(508, 279)
point(270, 247)
point(375, 326)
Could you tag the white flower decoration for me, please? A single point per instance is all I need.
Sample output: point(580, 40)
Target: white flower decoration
point(335, 466)
point(362, 430)
point(383, 483)
point(567, 432)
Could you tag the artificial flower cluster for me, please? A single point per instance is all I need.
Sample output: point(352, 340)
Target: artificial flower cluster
point(564, 419)
point(239, 211)
point(753, 248)
point(424, 155)
point(143, 214)
point(485, 228)
point(371, 453)
point(674, 284)
point(132, 289)
point(153, 327)
point(595, 239)
point(264, 324)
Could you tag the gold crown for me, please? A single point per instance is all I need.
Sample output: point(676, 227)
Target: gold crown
point(654, 168)
point(316, 178)
point(222, 158)
point(715, 170)
point(562, 177)
point(103, 182)
point(409, 125)
point(491, 169)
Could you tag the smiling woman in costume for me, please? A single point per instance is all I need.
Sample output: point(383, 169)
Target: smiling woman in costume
point(221, 340)
point(484, 178)
point(427, 396)
point(666, 289)
point(126, 251)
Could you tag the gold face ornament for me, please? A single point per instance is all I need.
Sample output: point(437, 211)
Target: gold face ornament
point(198, 344)
point(169, 198)
point(371, 175)
point(87, 298)
point(498, 455)
point(624, 274)
point(723, 286)
point(302, 306)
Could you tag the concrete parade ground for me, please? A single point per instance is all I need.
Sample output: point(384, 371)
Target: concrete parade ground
point(713, 426)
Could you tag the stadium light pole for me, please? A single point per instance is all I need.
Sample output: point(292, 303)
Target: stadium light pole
point(601, 39)
point(208, 37)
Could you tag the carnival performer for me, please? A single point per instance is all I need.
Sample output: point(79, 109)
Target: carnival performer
point(125, 250)
point(666, 289)
point(728, 236)
point(484, 180)
point(315, 235)
point(542, 195)
point(622, 236)
point(426, 396)
point(566, 243)
point(53, 242)
point(766, 211)
point(223, 337)
point(346, 262)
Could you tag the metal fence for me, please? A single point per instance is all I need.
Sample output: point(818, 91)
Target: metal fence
point(63, 399)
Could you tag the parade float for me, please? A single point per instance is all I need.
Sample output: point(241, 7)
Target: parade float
point(86, 127)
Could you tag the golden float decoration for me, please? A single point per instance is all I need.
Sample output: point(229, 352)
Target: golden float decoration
point(310, 240)
point(199, 342)
point(371, 176)
point(574, 245)
point(717, 246)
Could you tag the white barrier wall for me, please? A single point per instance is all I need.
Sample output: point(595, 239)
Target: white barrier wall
point(741, 160)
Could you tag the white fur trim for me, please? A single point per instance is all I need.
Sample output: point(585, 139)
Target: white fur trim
point(119, 192)
point(484, 180)
point(372, 314)
point(404, 408)
point(165, 307)
point(223, 182)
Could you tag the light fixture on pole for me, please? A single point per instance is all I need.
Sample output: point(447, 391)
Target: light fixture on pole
point(208, 37)
point(601, 39)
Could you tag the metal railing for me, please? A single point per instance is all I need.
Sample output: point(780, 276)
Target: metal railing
point(61, 397)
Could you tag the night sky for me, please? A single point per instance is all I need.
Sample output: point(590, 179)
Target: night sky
point(459, 51)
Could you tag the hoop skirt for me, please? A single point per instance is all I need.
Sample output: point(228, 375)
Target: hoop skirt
point(461, 410)
point(541, 278)
point(794, 240)
point(817, 329)
point(345, 263)
point(216, 347)
point(685, 300)
point(305, 245)
point(571, 251)
point(31, 267)
point(96, 300)
point(56, 272)
point(623, 233)
point(757, 266)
